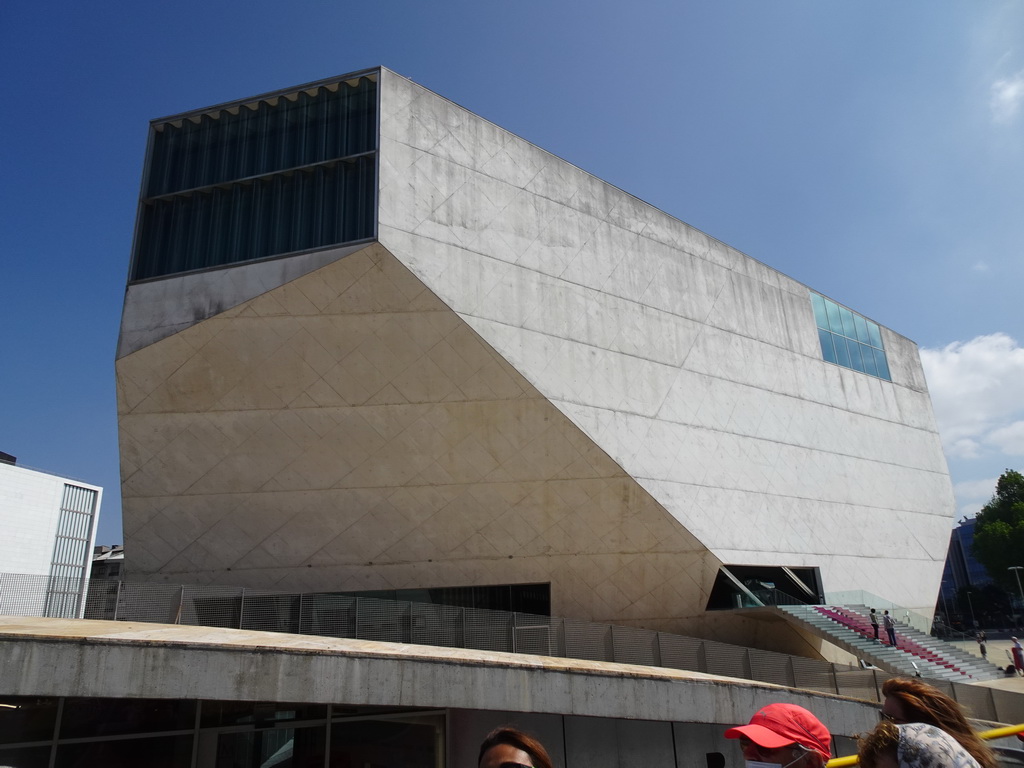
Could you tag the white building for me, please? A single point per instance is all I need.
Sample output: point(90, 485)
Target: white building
point(49, 524)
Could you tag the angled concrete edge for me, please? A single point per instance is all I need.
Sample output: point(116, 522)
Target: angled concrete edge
point(57, 657)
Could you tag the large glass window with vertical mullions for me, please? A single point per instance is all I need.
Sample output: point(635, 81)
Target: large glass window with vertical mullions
point(849, 339)
point(277, 175)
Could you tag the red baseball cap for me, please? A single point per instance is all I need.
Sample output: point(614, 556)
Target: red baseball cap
point(779, 725)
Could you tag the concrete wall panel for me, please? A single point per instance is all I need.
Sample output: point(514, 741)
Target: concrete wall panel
point(696, 368)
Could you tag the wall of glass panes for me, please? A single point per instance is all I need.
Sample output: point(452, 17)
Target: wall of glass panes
point(849, 339)
point(39, 732)
point(521, 598)
point(275, 176)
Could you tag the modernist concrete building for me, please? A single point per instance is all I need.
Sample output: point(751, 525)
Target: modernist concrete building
point(373, 342)
point(49, 525)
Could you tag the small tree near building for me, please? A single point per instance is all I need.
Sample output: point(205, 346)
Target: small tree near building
point(999, 530)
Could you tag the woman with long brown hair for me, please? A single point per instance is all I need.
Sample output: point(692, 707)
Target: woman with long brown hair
point(913, 745)
point(908, 700)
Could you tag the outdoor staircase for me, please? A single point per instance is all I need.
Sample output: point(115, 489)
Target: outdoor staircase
point(849, 628)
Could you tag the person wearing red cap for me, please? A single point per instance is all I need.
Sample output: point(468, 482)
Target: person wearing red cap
point(786, 735)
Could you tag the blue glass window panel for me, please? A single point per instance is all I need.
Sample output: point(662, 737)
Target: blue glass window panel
point(849, 327)
point(257, 218)
point(835, 323)
point(828, 350)
point(882, 365)
point(294, 130)
point(874, 335)
point(856, 362)
point(862, 329)
point(820, 316)
point(842, 352)
point(284, 174)
point(854, 342)
point(868, 355)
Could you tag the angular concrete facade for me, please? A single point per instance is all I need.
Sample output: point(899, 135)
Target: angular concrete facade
point(526, 376)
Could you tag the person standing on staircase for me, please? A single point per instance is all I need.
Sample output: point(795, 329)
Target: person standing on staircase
point(890, 628)
point(874, 623)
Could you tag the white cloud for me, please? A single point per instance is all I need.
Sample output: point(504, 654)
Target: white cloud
point(964, 448)
point(975, 490)
point(1007, 98)
point(977, 390)
point(1009, 439)
point(980, 266)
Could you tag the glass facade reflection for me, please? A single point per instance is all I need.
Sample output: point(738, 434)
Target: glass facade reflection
point(126, 733)
point(283, 174)
point(521, 598)
point(849, 339)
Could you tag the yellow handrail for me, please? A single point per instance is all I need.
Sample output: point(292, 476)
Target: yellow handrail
point(994, 733)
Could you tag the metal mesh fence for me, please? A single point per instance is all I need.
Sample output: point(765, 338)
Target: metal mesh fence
point(539, 635)
point(270, 612)
point(680, 652)
point(384, 620)
point(771, 668)
point(726, 660)
point(211, 606)
point(586, 640)
point(333, 615)
point(329, 616)
point(858, 683)
point(814, 675)
point(631, 645)
point(101, 599)
point(159, 603)
point(23, 594)
point(488, 630)
point(438, 625)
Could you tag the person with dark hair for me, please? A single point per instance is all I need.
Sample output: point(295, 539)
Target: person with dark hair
point(508, 747)
point(784, 735)
point(908, 700)
point(912, 745)
point(890, 627)
point(874, 622)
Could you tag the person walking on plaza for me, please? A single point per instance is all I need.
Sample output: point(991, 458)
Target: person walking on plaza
point(874, 622)
point(890, 628)
point(1018, 656)
point(981, 644)
point(784, 735)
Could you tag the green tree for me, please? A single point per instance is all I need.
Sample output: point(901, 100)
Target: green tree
point(999, 530)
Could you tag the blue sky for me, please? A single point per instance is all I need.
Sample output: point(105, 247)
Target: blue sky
point(873, 150)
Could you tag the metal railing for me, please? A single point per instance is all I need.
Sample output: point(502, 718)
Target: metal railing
point(944, 631)
point(343, 616)
point(55, 595)
point(778, 597)
point(860, 597)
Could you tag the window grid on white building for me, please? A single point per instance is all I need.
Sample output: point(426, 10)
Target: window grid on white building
point(71, 556)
